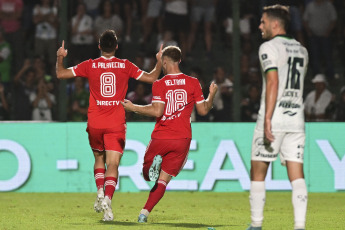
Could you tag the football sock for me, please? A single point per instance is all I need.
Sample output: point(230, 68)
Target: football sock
point(110, 185)
point(145, 212)
point(257, 200)
point(99, 177)
point(156, 193)
point(299, 202)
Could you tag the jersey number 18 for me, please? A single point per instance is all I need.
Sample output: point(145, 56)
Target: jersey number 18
point(177, 99)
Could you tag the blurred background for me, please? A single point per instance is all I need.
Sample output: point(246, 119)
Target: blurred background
point(219, 40)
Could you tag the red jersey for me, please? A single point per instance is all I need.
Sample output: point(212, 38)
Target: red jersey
point(179, 93)
point(108, 83)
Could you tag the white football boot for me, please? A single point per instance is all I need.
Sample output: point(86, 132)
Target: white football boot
point(97, 206)
point(108, 212)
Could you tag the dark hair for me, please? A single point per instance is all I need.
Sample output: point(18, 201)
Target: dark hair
point(102, 4)
point(108, 41)
point(279, 12)
point(172, 52)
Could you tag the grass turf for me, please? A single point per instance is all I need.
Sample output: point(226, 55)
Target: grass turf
point(177, 210)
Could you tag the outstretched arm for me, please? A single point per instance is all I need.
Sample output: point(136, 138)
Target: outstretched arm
point(61, 72)
point(155, 109)
point(204, 107)
point(154, 74)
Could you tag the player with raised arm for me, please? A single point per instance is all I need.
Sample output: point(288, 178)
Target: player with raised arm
point(280, 124)
point(108, 81)
point(173, 100)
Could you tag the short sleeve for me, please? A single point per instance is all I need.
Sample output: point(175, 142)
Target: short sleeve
point(268, 56)
point(82, 69)
point(198, 95)
point(157, 93)
point(133, 70)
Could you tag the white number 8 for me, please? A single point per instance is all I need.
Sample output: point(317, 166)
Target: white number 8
point(108, 84)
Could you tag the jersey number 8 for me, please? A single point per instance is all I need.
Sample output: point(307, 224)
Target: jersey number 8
point(108, 83)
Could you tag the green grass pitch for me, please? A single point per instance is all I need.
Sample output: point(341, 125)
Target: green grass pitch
point(177, 210)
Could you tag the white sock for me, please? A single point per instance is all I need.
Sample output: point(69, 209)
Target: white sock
point(100, 192)
point(145, 212)
point(299, 202)
point(257, 200)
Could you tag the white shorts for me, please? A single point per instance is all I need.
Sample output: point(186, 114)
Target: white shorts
point(289, 146)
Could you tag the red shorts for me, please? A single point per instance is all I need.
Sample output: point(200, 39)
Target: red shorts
point(111, 139)
point(174, 153)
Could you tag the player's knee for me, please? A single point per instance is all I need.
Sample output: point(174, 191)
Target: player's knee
point(112, 165)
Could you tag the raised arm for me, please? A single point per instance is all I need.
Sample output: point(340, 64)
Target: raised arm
point(154, 74)
point(156, 109)
point(204, 107)
point(272, 82)
point(61, 72)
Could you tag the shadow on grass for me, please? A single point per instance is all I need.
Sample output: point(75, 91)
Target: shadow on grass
point(175, 225)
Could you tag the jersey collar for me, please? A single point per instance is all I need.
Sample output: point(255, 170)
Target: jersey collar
point(174, 73)
point(287, 36)
point(107, 58)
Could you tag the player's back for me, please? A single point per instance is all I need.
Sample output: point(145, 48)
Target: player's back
point(290, 59)
point(108, 83)
point(179, 93)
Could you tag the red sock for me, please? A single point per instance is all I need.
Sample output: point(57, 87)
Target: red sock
point(99, 177)
point(110, 185)
point(156, 193)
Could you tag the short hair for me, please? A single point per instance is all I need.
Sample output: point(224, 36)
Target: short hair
point(279, 12)
point(172, 52)
point(108, 41)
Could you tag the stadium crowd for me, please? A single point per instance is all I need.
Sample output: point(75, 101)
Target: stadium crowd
point(29, 38)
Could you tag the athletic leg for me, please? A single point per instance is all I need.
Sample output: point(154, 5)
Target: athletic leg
point(99, 172)
point(299, 192)
point(257, 196)
point(156, 194)
point(112, 161)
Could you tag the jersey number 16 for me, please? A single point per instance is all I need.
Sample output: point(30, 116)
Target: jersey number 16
point(293, 73)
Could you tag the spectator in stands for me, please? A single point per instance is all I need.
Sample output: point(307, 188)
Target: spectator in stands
point(248, 50)
point(92, 7)
point(46, 21)
point(124, 8)
point(139, 97)
point(201, 11)
point(24, 86)
point(197, 73)
point(319, 21)
point(79, 101)
point(82, 35)
point(152, 16)
point(251, 104)
point(42, 103)
point(107, 20)
point(244, 27)
point(317, 100)
point(223, 98)
point(4, 107)
point(167, 40)
point(10, 21)
point(176, 20)
point(5, 61)
point(340, 108)
point(40, 68)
